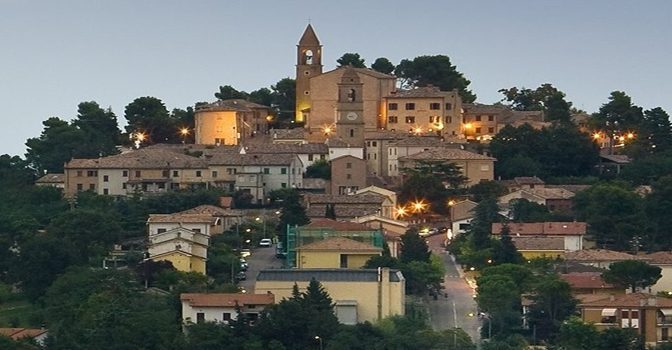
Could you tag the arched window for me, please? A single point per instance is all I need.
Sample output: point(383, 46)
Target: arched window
point(308, 57)
point(351, 95)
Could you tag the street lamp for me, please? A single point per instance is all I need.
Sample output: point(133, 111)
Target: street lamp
point(184, 132)
point(318, 338)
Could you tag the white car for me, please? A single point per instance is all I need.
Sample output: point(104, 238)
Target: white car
point(265, 242)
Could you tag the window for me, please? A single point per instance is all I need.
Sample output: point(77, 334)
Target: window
point(162, 186)
point(410, 120)
point(348, 165)
point(449, 120)
point(197, 230)
point(267, 171)
point(664, 334)
point(283, 185)
point(124, 173)
point(198, 173)
point(344, 261)
point(91, 173)
point(165, 173)
point(491, 130)
point(106, 178)
point(322, 156)
point(283, 171)
point(434, 119)
point(160, 230)
point(176, 173)
point(310, 157)
point(410, 106)
point(478, 130)
point(392, 107)
point(123, 186)
point(79, 173)
point(348, 176)
point(392, 119)
point(478, 118)
point(92, 186)
point(491, 118)
point(214, 174)
point(226, 316)
point(80, 187)
point(106, 191)
point(434, 106)
point(200, 317)
point(138, 173)
point(375, 143)
point(449, 106)
point(352, 132)
point(231, 171)
point(485, 167)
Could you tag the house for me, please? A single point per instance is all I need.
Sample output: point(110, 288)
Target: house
point(649, 315)
point(335, 252)
point(600, 258)
point(664, 261)
point(571, 233)
point(222, 307)
point(539, 247)
point(408, 146)
point(39, 335)
point(476, 167)
point(481, 122)
point(589, 283)
point(388, 210)
point(294, 136)
point(348, 174)
point(377, 150)
point(557, 200)
point(347, 207)
point(51, 180)
point(227, 218)
point(612, 163)
point(461, 214)
point(308, 153)
point(392, 230)
point(424, 110)
point(229, 122)
point(182, 239)
point(523, 183)
point(359, 295)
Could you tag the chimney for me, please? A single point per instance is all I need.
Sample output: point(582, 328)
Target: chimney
point(652, 301)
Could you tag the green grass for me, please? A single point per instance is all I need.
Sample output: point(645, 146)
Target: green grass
point(18, 313)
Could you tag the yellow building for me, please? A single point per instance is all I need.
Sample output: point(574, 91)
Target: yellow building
point(540, 247)
point(229, 122)
point(335, 252)
point(182, 239)
point(359, 294)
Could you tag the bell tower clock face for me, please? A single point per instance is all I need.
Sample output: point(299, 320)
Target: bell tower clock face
point(351, 116)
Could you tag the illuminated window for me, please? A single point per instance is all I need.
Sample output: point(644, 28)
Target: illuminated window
point(410, 120)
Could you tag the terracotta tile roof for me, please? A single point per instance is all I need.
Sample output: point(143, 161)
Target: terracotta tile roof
point(288, 134)
point(477, 108)
point(144, 158)
point(463, 210)
point(239, 105)
point(18, 333)
point(374, 73)
point(616, 158)
point(337, 225)
point(212, 211)
point(528, 180)
point(339, 244)
point(385, 135)
point(252, 159)
point(586, 280)
point(623, 300)
point(336, 142)
point(422, 92)
point(542, 228)
point(342, 212)
point(588, 255)
point(226, 299)
point(419, 141)
point(539, 243)
point(182, 218)
point(51, 179)
point(328, 275)
point(368, 198)
point(446, 154)
point(658, 258)
point(550, 193)
point(569, 188)
point(288, 148)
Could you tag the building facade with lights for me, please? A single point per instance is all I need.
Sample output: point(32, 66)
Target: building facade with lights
point(230, 122)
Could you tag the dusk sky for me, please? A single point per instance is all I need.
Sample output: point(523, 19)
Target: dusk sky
point(56, 54)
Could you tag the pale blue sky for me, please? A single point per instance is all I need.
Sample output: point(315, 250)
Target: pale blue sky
point(56, 54)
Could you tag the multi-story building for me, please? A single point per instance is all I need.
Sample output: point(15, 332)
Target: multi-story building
point(376, 151)
point(308, 153)
point(476, 167)
point(480, 122)
point(229, 122)
point(348, 174)
point(407, 147)
point(424, 110)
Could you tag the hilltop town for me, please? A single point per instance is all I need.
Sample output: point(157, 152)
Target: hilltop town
point(360, 207)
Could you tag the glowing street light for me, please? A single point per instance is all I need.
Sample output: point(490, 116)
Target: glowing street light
point(401, 212)
point(630, 136)
point(597, 136)
point(419, 206)
point(417, 130)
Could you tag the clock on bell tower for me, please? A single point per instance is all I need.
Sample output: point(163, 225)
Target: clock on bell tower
point(350, 109)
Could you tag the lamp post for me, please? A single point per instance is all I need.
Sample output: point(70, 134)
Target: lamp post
point(184, 132)
point(318, 338)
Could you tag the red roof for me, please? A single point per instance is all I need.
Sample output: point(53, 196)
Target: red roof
point(227, 299)
point(586, 280)
point(18, 333)
point(543, 228)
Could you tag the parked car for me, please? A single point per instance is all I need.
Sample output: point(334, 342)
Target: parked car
point(241, 276)
point(243, 265)
point(265, 242)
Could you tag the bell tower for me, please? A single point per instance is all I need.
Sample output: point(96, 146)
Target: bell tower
point(308, 65)
point(350, 109)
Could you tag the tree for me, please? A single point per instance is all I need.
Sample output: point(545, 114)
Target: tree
point(614, 214)
point(658, 205)
point(263, 96)
point(485, 214)
point(632, 274)
point(546, 98)
point(320, 169)
point(435, 70)
point(59, 142)
point(618, 115)
point(413, 247)
point(228, 92)
point(149, 116)
point(655, 135)
point(487, 189)
point(552, 304)
point(383, 65)
point(574, 334)
point(292, 213)
point(101, 132)
point(284, 97)
point(499, 296)
point(525, 211)
point(506, 252)
point(619, 338)
point(91, 233)
point(351, 59)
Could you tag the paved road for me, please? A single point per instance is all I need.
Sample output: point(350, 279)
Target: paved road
point(458, 308)
point(261, 258)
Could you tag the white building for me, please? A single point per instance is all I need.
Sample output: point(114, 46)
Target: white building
point(221, 307)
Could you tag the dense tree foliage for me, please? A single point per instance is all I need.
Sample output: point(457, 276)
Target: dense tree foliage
point(351, 59)
point(434, 70)
point(320, 169)
point(280, 97)
point(383, 65)
point(546, 98)
point(633, 274)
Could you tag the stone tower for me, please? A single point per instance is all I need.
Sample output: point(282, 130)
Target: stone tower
point(308, 65)
point(350, 109)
